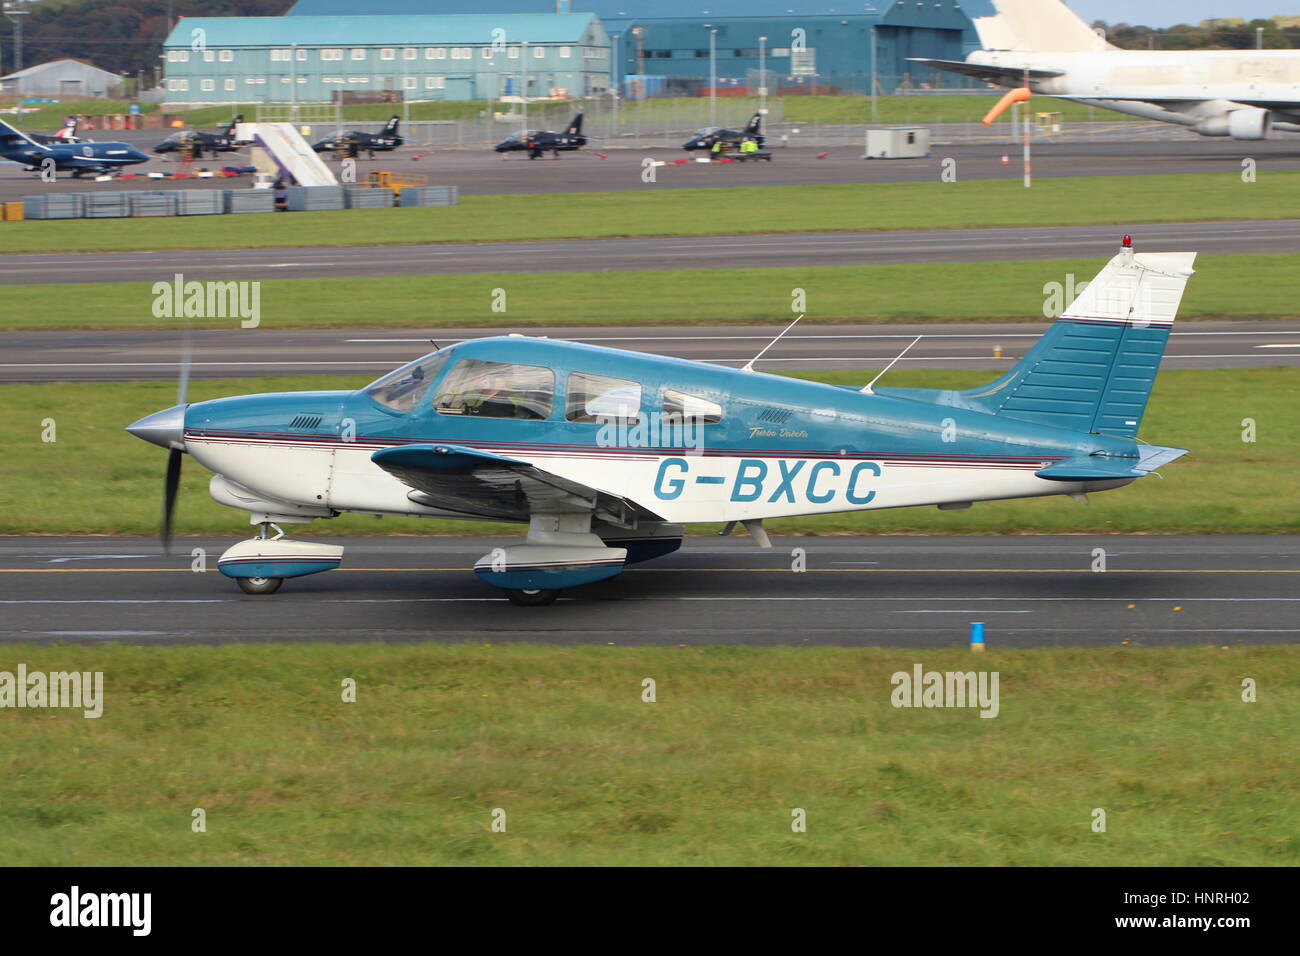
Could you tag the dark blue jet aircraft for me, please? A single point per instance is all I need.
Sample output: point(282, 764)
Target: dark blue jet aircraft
point(80, 158)
point(538, 141)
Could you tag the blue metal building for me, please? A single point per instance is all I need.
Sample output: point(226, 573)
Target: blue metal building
point(671, 38)
point(306, 59)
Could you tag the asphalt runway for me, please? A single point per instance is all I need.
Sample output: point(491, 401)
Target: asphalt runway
point(895, 591)
point(653, 253)
point(123, 355)
point(480, 171)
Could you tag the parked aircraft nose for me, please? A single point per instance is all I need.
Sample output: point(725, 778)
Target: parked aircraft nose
point(165, 429)
point(137, 154)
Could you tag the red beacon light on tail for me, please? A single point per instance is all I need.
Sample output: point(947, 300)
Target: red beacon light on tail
point(1127, 242)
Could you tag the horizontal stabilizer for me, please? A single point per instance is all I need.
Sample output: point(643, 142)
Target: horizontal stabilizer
point(1108, 468)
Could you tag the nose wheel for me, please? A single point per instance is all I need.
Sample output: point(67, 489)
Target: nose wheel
point(537, 598)
point(259, 585)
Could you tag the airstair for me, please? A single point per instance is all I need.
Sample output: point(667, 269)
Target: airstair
point(279, 149)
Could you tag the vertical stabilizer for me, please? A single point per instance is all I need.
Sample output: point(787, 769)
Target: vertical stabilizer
point(1038, 26)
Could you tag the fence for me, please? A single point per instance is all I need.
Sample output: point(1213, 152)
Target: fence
point(198, 202)
point(667, 123)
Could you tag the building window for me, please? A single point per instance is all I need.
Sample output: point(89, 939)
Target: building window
point(408, 53)
point(358, 79)
point(181, 85)
point(566, 52)
point(225, 56)
point(229, 84)
point(539, 52)
point(283, 56)
point(435, 53)
point(331, 54)
point(487, 53)
point(208, 56)
point(302, 79)
point(435, 83)
point(302, 54)
point(358, 53)
point(178, 56)
point(408, 82)
point(385, 54)
point(593, 53)
point(514, 52)
point(284, 79)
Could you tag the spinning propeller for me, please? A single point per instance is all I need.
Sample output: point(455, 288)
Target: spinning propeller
point(167, 430)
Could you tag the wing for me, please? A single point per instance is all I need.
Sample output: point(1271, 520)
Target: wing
point(1002, 75)
point(473, 482)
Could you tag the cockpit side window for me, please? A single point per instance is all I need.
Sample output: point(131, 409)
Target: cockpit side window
point(682, 406)
point(496, 390)
point(601, 399)
point(402, 389)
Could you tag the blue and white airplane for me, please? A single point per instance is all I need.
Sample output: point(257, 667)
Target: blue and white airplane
point(64, 154)
point(607, 454)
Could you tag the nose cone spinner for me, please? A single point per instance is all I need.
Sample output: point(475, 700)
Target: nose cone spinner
point(165, 429)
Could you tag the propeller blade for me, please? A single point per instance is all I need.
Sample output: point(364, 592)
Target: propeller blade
point(183, 385)
point(171, 485)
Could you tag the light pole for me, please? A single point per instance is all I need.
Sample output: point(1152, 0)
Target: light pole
point(13, 12)
point(617, 81)
point(713, 76)
point(873, 73)
point(762, 77)
point(1259, 38)
point(523, 55)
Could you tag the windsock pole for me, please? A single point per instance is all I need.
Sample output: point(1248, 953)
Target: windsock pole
point(1028, 175)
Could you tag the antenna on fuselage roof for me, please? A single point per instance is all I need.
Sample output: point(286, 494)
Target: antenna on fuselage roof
point(866, 389)
point(749, 366)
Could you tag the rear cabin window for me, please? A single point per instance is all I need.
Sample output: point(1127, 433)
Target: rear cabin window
point(496, 390)
point(687, 407)
point(401, 390)
point(601, 399)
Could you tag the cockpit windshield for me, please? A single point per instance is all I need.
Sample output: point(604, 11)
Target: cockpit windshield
point(402, 389)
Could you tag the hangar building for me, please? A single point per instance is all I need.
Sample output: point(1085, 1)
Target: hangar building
point(73, 79)
point(460, 53)
point(456, 57)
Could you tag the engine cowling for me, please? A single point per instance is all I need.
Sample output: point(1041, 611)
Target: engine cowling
point(1239, 124)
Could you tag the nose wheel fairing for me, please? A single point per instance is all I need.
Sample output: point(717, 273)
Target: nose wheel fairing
point(278, 558)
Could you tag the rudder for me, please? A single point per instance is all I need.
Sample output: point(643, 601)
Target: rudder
point(1093, 369)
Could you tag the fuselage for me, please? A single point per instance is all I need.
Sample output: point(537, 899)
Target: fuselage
point(1184, 87)
point(778, 446)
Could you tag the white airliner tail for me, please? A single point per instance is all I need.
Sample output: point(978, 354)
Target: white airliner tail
point(1038, 26)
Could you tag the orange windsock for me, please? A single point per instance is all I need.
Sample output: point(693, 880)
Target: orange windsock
point(1018, 95)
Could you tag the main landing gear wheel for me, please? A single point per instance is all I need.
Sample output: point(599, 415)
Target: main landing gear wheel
point(260, 585)
point(537, 598)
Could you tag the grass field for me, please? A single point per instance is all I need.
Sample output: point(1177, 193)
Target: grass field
point(1256, 286)
point(649, 211)
point(96, 479)
point(586, 773)
point(789, 109)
